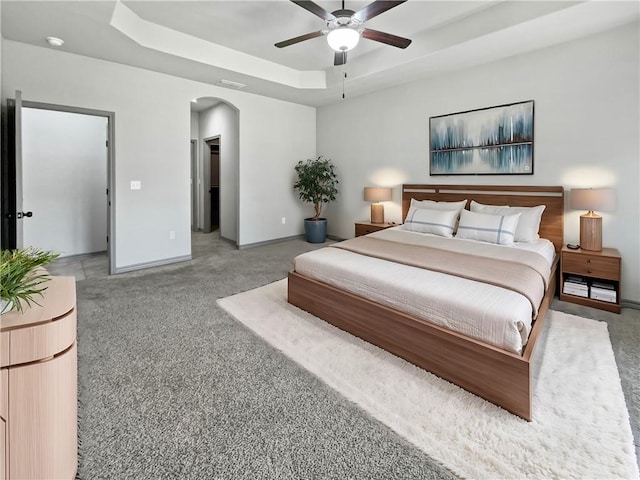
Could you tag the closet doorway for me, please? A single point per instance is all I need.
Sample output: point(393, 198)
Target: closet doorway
point(214, 183)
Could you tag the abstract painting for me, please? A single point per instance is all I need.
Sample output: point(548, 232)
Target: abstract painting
point(487, 141)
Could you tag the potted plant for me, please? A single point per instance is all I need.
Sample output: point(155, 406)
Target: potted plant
point(316, 183)
point(21, 277)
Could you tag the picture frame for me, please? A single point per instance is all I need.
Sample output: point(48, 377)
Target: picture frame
point(486, 141)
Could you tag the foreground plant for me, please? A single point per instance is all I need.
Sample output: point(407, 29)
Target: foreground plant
point(20, 277)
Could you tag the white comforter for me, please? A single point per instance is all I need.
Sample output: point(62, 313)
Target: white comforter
point(488, 313)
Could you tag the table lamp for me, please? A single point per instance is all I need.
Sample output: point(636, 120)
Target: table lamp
point(377, 195)
point(591, 199)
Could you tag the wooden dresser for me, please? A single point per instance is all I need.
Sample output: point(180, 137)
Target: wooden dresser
point(38, 389)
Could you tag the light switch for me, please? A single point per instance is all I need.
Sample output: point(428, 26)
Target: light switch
point(136, 184)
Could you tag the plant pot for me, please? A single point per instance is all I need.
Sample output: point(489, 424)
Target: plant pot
point(5, 306)
point(315, 231)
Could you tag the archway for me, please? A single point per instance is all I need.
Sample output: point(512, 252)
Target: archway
point(214, 121)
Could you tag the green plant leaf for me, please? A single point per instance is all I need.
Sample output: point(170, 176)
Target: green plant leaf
point(20, 277)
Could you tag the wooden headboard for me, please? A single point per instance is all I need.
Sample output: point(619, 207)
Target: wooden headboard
point(551, 225)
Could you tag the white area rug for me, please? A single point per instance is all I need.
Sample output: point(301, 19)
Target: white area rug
point(580, 426)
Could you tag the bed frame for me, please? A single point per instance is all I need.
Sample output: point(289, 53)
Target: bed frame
point(496, 375)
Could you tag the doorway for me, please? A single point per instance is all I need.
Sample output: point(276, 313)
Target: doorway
point(216, 124)
point(58, 166)
point(214, 183)
point(64, 181)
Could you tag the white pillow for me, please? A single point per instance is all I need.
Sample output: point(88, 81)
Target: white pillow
point(488, 228)
point(529, 222)
point(437, 222)
point(433, 205)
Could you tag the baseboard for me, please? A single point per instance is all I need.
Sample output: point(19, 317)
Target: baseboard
point(335, 239)
point(159, 263)
point(630, 304)
point(269, 242)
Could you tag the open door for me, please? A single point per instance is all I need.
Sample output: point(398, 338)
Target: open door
point(12, 177)
point(40, 125)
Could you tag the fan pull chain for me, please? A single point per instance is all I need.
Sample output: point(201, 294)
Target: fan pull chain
point(345, 76)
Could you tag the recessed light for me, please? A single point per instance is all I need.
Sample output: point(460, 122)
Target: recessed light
point(230, 84)
point(55, 41)
point(195, 100)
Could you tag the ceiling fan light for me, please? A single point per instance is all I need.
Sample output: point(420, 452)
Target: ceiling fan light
point(342, 39)
point(55, 41)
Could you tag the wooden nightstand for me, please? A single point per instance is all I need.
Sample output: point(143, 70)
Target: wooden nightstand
point(593, 267)
point(362, 228)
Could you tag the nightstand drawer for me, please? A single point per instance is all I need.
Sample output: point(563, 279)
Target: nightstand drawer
point(591, 265)
point(364, 230)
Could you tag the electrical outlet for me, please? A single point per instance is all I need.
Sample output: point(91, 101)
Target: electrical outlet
point(284, 220)
point(136, 185)
point(172, 235)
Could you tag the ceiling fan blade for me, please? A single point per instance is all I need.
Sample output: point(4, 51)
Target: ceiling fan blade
point(301, 38)
point(340, 58)
point(387, 38)
point(375, 9)
point(314, 8)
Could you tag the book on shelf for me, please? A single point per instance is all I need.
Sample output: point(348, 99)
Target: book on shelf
point(603, 285)
point(575, 285)
point(575, 289)
point(576, 292)
point(576, 280)
point(603, 294)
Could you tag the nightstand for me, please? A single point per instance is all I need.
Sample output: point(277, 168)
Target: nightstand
point(597, 269)
point(362, 228)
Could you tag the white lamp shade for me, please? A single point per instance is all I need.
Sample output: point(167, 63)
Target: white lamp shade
point(602, 199)
point(377, 194)
point(343, 38)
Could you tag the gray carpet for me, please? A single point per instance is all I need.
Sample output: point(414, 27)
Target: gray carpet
point(170, 386)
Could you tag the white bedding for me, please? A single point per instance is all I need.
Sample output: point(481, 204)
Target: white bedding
point(489, 313)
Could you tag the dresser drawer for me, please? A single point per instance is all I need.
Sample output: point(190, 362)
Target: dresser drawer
point(42, 341)
point(591, 265)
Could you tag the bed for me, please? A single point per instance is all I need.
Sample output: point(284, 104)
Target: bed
point(500, 374)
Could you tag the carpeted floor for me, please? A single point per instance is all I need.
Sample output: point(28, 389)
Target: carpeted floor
point(171, 386)
point(578, 405)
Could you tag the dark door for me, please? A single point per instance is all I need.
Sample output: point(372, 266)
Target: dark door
point(214, 185)
point(10, 171)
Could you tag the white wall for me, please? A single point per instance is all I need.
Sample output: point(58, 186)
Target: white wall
point(222, 120)
point(586, 133)
point(195, 208)
point(64, 172)
point(152, 134)
point(281, 133)
point(195, 128)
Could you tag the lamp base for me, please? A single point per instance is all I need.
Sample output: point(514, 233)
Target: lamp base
point(591, 232)
point(377, 213)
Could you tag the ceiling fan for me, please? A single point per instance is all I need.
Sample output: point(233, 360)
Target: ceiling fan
point(344, 27)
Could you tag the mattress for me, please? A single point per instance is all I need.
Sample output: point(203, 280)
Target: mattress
point(492, 314)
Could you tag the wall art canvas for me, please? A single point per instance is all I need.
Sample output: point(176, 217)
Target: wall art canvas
point(488, 141)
